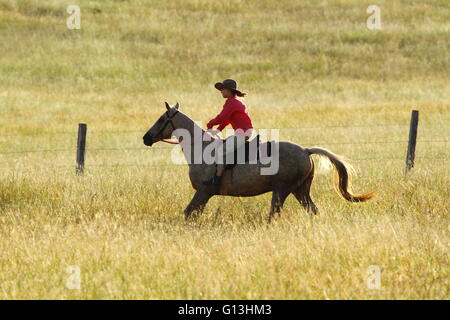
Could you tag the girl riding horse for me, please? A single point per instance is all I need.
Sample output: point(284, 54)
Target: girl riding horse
point(234, 112)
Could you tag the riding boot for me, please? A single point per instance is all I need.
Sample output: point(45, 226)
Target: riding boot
point(213, 182)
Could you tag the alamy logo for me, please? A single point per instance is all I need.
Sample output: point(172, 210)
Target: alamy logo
point(73, 282)
point(202, 148)
point(374, 277)
point(74, 20)
point(374, 20)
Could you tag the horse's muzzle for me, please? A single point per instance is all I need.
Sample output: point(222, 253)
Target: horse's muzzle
point(148, 139)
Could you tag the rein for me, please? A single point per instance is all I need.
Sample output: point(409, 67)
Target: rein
point(169, 142)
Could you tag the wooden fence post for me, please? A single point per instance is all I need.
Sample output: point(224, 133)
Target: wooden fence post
point(81, 148)
point(411, 152)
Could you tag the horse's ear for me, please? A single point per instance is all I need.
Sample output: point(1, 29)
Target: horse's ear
point(167, 107)
point(177, 105)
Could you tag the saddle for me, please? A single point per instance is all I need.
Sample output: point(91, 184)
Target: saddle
point(248, 150)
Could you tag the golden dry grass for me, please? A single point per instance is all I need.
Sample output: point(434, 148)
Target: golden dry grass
point(311, 68)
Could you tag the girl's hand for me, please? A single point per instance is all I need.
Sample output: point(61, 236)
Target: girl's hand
point(213, 132)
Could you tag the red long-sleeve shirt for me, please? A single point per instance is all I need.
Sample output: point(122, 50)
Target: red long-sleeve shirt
point(234, 112)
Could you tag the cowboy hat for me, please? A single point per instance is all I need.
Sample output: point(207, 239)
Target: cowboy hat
point(229, 84)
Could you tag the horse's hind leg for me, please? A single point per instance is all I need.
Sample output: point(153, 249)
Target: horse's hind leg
point(197, 203)
point(303, 195)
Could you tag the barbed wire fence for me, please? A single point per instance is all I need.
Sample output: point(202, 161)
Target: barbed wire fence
point(81, 148)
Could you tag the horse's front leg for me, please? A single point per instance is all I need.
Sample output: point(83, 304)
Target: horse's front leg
point(273, 205)
point(197, 203)
point(278, 198)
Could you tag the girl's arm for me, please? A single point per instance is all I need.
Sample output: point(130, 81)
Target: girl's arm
point(223, 125)
point(223, 118)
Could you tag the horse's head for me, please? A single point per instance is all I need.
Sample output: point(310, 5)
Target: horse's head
point(163, 128)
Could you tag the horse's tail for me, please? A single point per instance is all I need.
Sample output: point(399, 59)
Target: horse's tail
point(343, 170)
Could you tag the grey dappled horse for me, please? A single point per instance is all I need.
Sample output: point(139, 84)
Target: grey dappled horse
point(295, 172)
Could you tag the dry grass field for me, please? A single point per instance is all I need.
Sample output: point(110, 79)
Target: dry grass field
point(311, 68)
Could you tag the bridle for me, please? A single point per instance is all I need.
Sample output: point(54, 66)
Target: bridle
point(169, 120)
